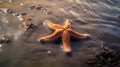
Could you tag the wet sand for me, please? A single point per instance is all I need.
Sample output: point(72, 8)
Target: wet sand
point(97, 18)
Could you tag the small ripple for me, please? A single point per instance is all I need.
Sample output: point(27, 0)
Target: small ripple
point(63, 10)
point(74, 13)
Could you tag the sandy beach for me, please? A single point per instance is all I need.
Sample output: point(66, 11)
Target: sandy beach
point(20, 48)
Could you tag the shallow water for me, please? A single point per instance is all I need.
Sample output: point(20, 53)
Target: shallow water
point(101, 19)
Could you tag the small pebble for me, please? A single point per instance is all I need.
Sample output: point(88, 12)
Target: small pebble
point(62, 48)
point(21, 18)
point(49, 13)
point(9, 11)
point(15, 14)
point(39, 8)
point(29, 19)
point(21, 4)
point(44, 23)
point(6, 10)
point(44, 10)
point(49, 52)
point(5, 39)
point(38, 39)
point(23, 14)
point(10, 1)
point(32, 7)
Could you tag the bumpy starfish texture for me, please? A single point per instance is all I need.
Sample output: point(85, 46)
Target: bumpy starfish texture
point(65, 32)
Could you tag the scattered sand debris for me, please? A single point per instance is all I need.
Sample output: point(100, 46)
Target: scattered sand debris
point(20, 14)
point(105, 57)
point(5, 39)
point(39, 8)
point(6, 10)
point(24, 13)
point(32, 6)
point(49, 13)
point(21, 18)
point(16, 14)
point(44, 10)
point(27, 25)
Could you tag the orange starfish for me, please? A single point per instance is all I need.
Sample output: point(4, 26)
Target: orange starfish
point(62, 31)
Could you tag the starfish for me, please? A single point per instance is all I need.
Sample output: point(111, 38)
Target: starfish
point(65, 32)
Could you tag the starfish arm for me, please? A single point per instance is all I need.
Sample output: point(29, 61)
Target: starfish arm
point(67, 24)
point(77, 35)
point(50, 37)
point(52, 26)
point(65, 40)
